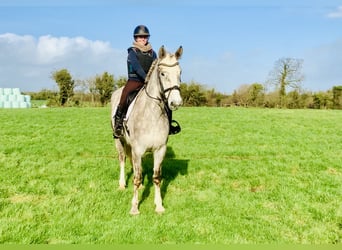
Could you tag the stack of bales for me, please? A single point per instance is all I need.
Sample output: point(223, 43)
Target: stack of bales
point(12, 98)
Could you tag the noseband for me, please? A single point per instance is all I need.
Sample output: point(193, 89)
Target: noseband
point(164, 91)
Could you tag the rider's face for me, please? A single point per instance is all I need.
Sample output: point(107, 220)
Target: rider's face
point(141, 39)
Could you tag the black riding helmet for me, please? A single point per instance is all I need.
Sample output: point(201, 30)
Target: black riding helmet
point(141, 30)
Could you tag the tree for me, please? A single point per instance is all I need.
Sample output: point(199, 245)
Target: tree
point(193, 94)
point(337, 97)
point(90, 87)
point(322, 100)
point(256, 95)
point(286, 73)
point(213, 98)
point(104, 85)
point(86, 89)
point(241, 95)
point(271, 99)
point(65, 84)
point(294, 100)
point(121, 82)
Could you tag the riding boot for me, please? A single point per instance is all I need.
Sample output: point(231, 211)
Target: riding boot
point(118, 122)
point(174, 125)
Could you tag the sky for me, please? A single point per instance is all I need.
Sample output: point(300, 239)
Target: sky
point(227, 43)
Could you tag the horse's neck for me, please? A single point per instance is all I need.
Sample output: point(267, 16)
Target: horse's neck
point(153, 86)
point(150, 98)
point(149, 109)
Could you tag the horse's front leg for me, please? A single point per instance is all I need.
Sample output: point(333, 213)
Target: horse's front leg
point(158, 157)
point(122, 159)
point(137, 180)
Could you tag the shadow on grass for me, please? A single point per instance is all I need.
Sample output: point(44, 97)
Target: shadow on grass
point(171, 168)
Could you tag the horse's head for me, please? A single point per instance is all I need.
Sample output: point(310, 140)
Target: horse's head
point(169, 75)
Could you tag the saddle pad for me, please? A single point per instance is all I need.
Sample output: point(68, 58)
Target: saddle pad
point(131, 105)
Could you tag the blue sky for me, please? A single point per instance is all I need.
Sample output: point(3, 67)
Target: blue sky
point(226, 43)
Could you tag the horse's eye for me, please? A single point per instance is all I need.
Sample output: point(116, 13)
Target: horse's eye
point(162, 74)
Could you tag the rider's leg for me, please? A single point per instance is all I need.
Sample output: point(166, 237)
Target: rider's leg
point(121, 109)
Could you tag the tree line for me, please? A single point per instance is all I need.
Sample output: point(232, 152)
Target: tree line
point(282, 89)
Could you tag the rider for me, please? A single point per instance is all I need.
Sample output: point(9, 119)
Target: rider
point(139, 60)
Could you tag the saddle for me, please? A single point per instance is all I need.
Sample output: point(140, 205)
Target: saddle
point(132, 96)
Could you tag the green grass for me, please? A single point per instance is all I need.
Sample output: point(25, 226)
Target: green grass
point(231, 176)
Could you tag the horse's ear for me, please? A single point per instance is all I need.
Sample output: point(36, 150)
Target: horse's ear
point(162, 52)
point(179, 52)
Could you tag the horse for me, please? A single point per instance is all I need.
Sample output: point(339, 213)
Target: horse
point(146, 129)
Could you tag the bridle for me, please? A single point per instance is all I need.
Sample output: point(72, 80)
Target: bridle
point(163, 92)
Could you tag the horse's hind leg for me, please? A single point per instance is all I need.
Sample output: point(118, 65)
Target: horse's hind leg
point(158, 157)
point(122, 159)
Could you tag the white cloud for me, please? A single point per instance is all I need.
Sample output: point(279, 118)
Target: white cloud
point(336, 14)
point(51, 49)
point(27, 62)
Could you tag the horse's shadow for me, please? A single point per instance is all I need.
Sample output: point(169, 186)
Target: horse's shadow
point(171, 168)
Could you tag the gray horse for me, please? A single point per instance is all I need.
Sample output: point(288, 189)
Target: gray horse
point(146, 127)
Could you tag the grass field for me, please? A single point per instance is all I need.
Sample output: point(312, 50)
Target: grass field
point(232, 175)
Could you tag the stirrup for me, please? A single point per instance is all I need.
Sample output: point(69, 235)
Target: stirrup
point(174, 128)
point(118, 129)
point(118, 132)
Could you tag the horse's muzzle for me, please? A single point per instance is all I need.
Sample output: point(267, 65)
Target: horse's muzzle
point(174, 105)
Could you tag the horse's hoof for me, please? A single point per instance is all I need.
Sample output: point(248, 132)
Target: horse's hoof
point(122, 185)
point(134, 211)
point(160, 210)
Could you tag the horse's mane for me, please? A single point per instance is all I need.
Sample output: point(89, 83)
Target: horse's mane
point(153, 65)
